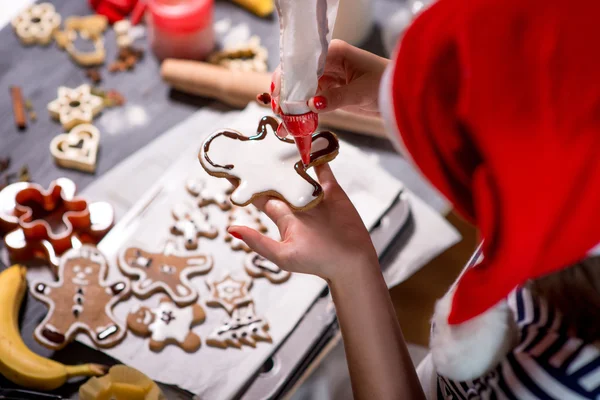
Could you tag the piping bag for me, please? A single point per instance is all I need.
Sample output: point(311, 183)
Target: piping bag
point(305, 28)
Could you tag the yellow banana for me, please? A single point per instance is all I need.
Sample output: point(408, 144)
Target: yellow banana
point(17, 363)
point(262, 8)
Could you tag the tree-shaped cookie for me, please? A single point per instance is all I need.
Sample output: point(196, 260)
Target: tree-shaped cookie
point(243, 327)
point(80, 301)
point(167, 324)
point(265, 164)
point(210, 191)
point(257, 267)
point(245, 216)
point(167, 271)
point(192, 223)
point(229, 292)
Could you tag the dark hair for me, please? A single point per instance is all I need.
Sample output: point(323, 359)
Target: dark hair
point(575, 293)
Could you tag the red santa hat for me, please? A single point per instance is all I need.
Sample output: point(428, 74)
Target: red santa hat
point(498, 104)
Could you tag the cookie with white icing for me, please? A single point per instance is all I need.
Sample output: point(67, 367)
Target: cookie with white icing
point(210, 191)
point(243, 327)
point(168, 271)
point(229, 293)
point(167, 324)
point(192, 223)
point(259, 267)
point(266, 164)
point(80, 301)
point(245, 216)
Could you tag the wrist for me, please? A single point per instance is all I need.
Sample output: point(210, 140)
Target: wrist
point(357, 272)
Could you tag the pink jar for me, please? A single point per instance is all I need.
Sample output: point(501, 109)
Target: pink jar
point(180, 28)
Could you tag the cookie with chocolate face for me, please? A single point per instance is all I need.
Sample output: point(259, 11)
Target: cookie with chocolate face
point(192, 223)
point(167, 324)
point(80, 301)
point(259, 267)
point(267, 165)
point(168, 270)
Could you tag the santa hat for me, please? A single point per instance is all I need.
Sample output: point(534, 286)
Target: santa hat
point(498, 104)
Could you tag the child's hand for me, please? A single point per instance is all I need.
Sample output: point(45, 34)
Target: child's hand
point(326, 240)
point(350, 81)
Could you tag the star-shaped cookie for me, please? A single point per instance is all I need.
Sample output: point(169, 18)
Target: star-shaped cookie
point(75, 106)
point(36, 24)
point(266, 164)
point(210, 191)
point(229, 293)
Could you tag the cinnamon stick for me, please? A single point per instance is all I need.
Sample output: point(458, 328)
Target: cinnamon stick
point(18, 107)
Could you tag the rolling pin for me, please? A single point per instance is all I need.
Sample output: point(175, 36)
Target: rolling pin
point(238, 88)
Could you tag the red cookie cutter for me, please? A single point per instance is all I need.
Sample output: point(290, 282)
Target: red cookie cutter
point(42, 223)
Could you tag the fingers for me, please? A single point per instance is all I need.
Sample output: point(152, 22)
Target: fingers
point(263, 245)
point(325, 175)
point(277, 210)
point(358, 92)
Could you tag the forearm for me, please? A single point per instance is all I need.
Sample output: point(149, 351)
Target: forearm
point(378, 360)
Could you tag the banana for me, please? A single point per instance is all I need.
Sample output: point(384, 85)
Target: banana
point(17, 363)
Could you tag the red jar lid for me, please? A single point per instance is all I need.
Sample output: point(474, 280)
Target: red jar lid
point(180, 15)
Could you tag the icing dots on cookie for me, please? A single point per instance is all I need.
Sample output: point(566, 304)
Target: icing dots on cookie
point(229, 293)
point(167, 324)
point(244, 216)
point(243, 327)
point(210, 191)
point(265, 164)
point(168, 270)
point(258, 267)
point(192, 223)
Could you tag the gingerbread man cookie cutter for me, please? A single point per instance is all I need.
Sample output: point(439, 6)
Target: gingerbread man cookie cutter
point(75, 106)
point(36, 24)
point(77, 149)
point(42, 223)
point(90, 27)
point(229, 293)
point(257, 267)
point(192, 223)
point(168, 271)
point(243, 327)
point(80, 301)
point(266, 164)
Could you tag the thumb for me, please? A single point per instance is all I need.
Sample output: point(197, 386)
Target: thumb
point(262, 244)
point(355, 93)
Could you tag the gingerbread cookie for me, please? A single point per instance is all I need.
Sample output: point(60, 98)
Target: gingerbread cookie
point(266, 164)
point(167, 324)
point(229, 293)
point(77, 149)
point(245, 216)
point(80, 301)
point(191, 223)
point(36, 24)
point(168, 271)
point(257, 266)
point(210, 191)
point(243, 327)
point(75, 106)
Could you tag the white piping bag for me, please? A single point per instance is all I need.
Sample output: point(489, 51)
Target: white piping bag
point(305, 28)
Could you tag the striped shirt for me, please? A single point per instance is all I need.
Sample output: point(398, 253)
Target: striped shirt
point(547, 362)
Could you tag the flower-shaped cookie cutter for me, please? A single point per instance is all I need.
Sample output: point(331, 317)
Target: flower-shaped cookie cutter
point(45, 223)
point(36, 24)
point(75, 106)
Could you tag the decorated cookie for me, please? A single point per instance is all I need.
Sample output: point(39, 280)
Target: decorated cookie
point(245, 216)
point(77, 149)
point(167, 324)
point(229, 293)
point(210, 191)
point(243, 327)
point(36, 24)
point(257, 267)
point(75, 106)
point(191, 223)
point(80, 301)
point(266, 164)
point(167, 271)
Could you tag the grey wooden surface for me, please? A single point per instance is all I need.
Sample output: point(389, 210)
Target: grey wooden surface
point(150, 110)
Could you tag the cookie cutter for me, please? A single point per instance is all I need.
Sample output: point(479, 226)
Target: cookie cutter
point(36, 24)
point(43, 224)
point(91, 27)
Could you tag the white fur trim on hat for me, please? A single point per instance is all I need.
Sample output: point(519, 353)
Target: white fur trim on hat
point(469, 350)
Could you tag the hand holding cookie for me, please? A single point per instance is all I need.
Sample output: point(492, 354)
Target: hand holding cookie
point(326, 240)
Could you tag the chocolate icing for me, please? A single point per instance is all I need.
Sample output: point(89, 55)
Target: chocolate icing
point(53, 336)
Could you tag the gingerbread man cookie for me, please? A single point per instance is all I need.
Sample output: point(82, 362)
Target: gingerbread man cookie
point(167, 324)
point(245, 216)
point(191, 223)
point(75, 106)
point(210, 191)
point(80, 301)
point(229, 293)
point(167, 271)
point(36, 24)
point(266, 164)
point(257, 266)
point(243, 327)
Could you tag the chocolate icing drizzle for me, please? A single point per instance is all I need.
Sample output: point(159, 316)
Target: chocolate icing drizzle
point(261, 132)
